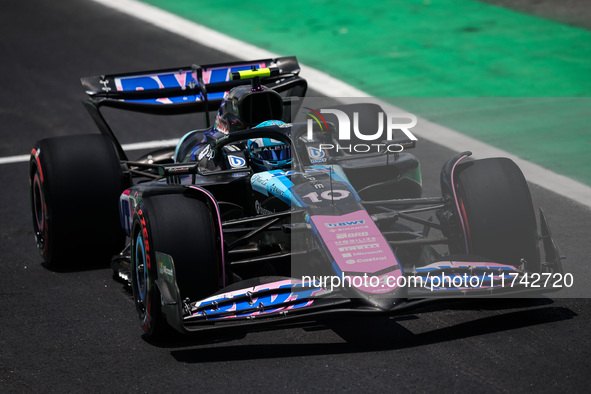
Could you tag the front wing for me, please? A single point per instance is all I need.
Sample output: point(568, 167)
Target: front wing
point(279, 302)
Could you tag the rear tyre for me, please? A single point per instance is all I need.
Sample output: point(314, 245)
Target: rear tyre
point(497, 211)
point(75, 183)
point(182, 228)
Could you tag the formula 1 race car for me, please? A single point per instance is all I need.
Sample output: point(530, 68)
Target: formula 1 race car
point(265, 218)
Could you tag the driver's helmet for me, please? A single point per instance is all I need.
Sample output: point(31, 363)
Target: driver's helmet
point(267, 154)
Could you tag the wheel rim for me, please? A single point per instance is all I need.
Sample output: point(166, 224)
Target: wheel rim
point(140, 273)
point(38, 210)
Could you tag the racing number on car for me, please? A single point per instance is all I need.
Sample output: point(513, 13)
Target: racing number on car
point(332, 195)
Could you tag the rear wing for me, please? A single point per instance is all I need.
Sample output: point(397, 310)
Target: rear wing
point(174, 91)
point(187, 89)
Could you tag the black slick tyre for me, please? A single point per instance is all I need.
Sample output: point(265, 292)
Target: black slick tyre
point(75, 184)
point(183, 228)
point(498, 216)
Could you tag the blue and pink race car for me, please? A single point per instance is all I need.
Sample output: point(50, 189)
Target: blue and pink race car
point(267, 216)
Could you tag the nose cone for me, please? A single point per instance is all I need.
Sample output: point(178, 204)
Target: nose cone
point(384, 301)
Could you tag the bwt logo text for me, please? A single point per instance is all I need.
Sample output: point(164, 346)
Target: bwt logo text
point(344, 125)
point(345, 224)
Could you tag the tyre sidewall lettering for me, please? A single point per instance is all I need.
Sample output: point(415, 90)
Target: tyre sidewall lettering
point(146, 317)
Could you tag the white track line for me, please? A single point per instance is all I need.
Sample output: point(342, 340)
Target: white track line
point(333, 87)
point(14, 159)
point(151, 144)
point(126, 147)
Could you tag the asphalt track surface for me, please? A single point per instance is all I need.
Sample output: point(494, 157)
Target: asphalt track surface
point(77, 331)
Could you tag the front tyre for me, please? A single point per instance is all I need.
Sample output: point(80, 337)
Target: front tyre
point(183, 228)
point(143, 278)
point(497, 212)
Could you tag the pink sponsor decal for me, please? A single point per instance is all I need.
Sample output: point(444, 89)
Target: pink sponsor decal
point(240, 292)
point(268, 286)
point(164, 100)
point(181, 78)
point(358, 247)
